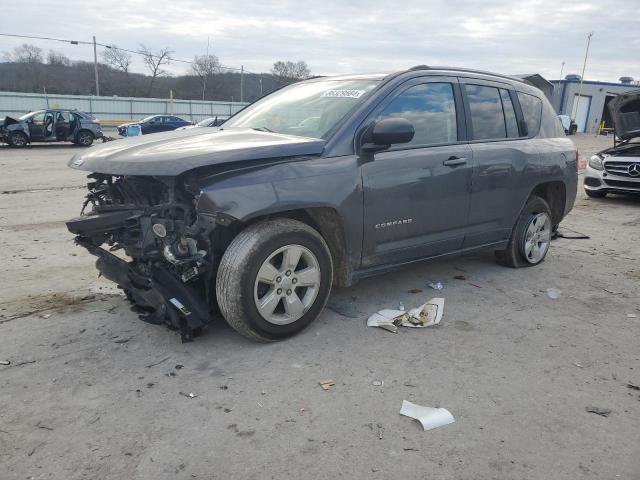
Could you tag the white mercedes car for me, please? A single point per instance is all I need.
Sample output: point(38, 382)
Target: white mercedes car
point(617, 169)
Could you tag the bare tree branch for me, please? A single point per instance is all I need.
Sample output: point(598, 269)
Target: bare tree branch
point(291, 70)
point(116, 58)
point(205, 67)
point(25, 53)
point(154, 62)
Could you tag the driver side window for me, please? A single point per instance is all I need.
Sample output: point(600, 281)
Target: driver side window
point(38, 118)
point(431, 109)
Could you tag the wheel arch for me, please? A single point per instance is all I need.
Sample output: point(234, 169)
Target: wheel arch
point(555, 194)
point(326, 220)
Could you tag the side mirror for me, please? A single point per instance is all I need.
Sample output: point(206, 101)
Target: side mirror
point(387, 132)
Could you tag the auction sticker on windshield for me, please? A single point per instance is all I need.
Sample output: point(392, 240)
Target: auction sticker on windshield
point(344, 93)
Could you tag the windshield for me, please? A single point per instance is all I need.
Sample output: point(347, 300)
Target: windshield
point(205, 122)
point(308, 109)
point(28, 115)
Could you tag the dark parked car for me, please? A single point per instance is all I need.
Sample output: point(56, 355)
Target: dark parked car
point(154, 124)
point(322, 183)
point(51, 126)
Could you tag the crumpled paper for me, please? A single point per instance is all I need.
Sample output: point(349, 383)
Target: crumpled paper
point(425, 315)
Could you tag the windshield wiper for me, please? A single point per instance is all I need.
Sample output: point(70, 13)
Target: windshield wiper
point(263, 129)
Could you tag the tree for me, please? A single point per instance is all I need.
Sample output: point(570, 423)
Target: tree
point(57, 58)
point(25, 53)
point(154, 62)
point(291, 70)
point(205, 67)
point(116, 58)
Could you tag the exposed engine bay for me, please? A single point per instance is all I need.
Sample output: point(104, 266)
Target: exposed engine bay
point(168, 257)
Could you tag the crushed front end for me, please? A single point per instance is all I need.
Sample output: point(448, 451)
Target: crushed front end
point(150, 241)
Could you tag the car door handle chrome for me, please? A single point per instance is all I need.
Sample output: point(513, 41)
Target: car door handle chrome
point(454, 161)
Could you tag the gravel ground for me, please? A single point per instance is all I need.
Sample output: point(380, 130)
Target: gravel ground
point(93, 393)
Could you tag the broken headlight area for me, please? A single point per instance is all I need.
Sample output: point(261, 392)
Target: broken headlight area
point(150, 241)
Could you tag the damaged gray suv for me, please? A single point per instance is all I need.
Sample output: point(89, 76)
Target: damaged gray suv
point(320, 184)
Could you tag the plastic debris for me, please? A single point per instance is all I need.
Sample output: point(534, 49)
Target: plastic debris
point(401, 307)
point(425, 315)
point(603, 412)
point(553, 293)
point(5, 362)
point(380, 431)
point(429, 417)
point(436, 285)
point(631, 315)
point(327, 384)
point(188, 395)
point(378, 383)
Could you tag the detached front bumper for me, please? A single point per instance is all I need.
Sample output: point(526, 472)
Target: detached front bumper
point(159, 293)
point(617, 177)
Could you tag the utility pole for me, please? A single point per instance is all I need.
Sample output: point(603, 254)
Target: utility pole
point(204, 78)
point(95, 66)
point(561, 69)
point(584, 67)
point(242, 83)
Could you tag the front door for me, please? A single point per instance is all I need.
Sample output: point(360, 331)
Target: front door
point(36, 127)
point(416, 195)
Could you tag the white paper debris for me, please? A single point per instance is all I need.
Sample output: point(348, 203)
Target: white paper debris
point(554, 293)
point(429, 417)
point(425, 315)
point(436, 285)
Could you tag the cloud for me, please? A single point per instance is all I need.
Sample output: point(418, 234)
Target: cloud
point(358, 36)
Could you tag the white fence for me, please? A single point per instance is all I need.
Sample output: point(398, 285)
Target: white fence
point(115, 108)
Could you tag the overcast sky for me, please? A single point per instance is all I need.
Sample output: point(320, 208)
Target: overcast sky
point(364, 36)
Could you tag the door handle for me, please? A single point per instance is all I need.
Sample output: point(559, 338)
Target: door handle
point(454, 161)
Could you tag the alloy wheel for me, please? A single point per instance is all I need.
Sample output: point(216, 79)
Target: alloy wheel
point(287, 284)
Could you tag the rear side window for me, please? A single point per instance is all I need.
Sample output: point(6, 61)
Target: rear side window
point(509, 115)
point(487, 117)
point(431, 109)
point(532, 112)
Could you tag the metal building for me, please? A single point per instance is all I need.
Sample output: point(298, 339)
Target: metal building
point(589, 110)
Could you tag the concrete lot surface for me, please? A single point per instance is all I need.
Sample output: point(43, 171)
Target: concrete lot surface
point(94, 393)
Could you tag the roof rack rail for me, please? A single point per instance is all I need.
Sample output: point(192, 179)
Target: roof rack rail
point(467, 70)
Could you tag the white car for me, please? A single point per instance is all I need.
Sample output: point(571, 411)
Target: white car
point(207, 122)
point(617, 169)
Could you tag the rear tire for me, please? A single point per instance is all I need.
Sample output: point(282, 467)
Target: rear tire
point(18, 140)
point(84, 138)
point(530, 237)
point(274, 279)
point(595, 193)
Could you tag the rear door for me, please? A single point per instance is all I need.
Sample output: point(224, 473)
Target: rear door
point(503, 160)
point(63, 123)
point(416, 195)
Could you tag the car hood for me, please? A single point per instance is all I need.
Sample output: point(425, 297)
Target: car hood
point(625, 112)
point(173, 153)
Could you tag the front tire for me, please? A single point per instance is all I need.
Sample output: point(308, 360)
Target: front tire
point(274, 279)
point(530, 237)
point(18, 140)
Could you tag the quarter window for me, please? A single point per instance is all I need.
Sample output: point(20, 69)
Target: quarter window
point(532, 112)
point(431, 109)
point(509, 114)
point(487, 116)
